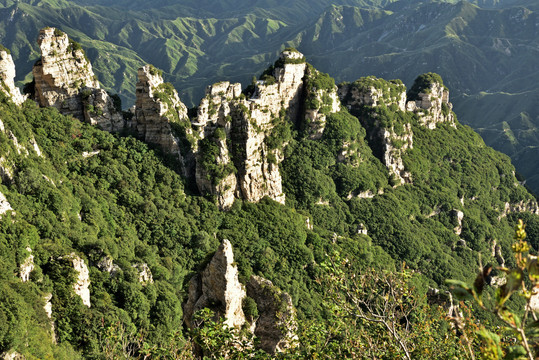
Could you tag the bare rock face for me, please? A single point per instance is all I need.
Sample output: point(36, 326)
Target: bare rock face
point(529, 206)
point(365, 95)
point(320, 103)
point(27, 266)
point(107, 264)
point(144, 273)
point(458, 215)
point(237, 150)
point(276, 325)
point(217, 288)
point(157, 107)
point(7, 74)
point(5, 206)
point(83, 278)
point(433, 106)
point(12, 355)
point(65, 80)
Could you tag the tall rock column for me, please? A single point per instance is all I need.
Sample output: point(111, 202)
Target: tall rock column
point(65, 80)
point(7, 74)
point(158, 106)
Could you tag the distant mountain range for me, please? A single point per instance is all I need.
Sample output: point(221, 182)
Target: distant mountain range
point(486, 51)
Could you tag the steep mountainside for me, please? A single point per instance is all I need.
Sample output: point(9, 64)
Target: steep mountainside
point(492, 42)
point(108, 241)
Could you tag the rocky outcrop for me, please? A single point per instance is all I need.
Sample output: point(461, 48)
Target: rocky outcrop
point(82, 282)
point(217, 288)
point(144, 273)
point(5, 206)
point(107, 264)
point(394, 147)
point(7, 74)
point(276, 325)
point(157, 108)
point(428, 99)
point(239, 140)
point(27, 266)
point(529, 206)
point(48, 310)
point(320, 102)
point(12, 355)
point(433, 106)
point(458, 216)
point(64, 79)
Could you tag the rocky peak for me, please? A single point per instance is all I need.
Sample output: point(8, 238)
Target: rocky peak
point(65, 80)
point(238, 149)
point(429, 98)
point(217, 288)
point(276, 325)
point(157, 107)
point(7, 74)
point(394, 137)
point(321, 100)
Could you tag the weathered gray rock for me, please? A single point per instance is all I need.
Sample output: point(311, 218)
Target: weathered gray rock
point(458, 215)
point(65, 80)
point(315, 118)
point(82, 283)
point(217, 288)
point(240, 128)
point(107, 264)
point(144, 273)
point(433, 106)
point(157, 107)
point(5, 206)
point(7, 74)
point(276, 325)
point(27, 266)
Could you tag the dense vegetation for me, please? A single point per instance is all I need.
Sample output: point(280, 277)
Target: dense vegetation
point(106, 197)
point(484, 49)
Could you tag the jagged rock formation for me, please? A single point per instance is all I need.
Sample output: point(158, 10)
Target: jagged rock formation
point(529, 206)
point(239, 144)
point(107, 264)
point(5, 206)
point(7, 74)
point(157, 108)
point(12, 355)
point(144, 273)
point(64, 79)
point(27, 266)
point(458, 216)
point(218, 288)
point(320, 102)
point(48, 310)
point(83, 278)
point(276, 325)
point(428, 99)
point(433, 106)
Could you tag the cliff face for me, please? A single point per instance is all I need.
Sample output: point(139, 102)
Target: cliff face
point(240, 141)
point(378, 103)
point(219, 289)
point(65, 80)
point(157, 108)
point(7, 74)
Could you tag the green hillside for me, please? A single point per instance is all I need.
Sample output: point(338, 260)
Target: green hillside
point(483, 46)
point(96, 196)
